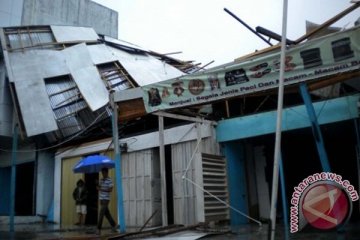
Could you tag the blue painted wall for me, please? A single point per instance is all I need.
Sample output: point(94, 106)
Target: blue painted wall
point(230, 132)
point(5, 174)
point(234, 152)
point(334, 110)
point(50, 215)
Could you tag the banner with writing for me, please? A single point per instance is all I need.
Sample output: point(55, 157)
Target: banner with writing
point(314, 59)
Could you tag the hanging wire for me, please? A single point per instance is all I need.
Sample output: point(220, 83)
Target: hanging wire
point(223, 202)
point(192, 157)
point(321, 109)
point(178, 141)
point(61, 143)
point(202, 189)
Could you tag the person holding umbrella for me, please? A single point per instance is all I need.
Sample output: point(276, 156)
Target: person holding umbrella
point(105, 188)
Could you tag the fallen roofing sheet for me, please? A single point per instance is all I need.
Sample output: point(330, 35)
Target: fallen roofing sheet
point(124, 43)
point(73, 34)
point(37, 113)
point(144, 68)
point(100, 53)
point(184, 235)
point(86, 76)
point(33, 69)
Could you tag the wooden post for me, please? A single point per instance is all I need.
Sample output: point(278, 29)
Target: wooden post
point(162, 172)
point(200, 208)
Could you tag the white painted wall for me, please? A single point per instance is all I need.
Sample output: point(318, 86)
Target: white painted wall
point(10, 12)
point(83, 13)
point(179, 134)
point(187, 161)
point(44, 183)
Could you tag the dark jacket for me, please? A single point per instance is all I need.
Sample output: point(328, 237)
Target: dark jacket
point(80, 193)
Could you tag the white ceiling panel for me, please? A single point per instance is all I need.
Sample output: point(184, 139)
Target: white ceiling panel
point(86, 76)
point(71, 34)
point(100, 54)
point(91, 87)
point(34, 102)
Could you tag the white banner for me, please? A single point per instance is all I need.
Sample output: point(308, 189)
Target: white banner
point(315, 59)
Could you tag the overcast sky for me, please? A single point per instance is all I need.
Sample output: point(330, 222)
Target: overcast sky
point(204, 32)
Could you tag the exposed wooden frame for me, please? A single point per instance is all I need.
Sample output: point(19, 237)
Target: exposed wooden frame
point(305, 36)
point(328, 22)
point(182, 117)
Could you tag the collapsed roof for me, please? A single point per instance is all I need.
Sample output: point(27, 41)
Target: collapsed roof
point(61, 76)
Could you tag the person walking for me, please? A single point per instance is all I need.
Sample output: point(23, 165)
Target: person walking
point(105, 188)
point(80, 195)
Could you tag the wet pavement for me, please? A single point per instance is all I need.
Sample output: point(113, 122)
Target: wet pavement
point(50, 231)
point(351, 232)
point(247, 232)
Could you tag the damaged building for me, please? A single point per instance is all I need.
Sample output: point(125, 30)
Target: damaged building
point(56, 81)
point(55, 85)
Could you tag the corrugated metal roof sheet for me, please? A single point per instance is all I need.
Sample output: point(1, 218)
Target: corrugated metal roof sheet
point(145, 69)
point(28, 37)
point(124, 44)
point(64, 91)
point(99, 54)
point(86, 76)
point(37, 115)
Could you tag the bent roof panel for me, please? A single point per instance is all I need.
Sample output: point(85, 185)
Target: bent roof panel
point(91, 87)
point(145, 69)
point(34, 103)
point(53, 63)
point(28, 69)
point(100, 54)
point(73, 34)
point(123, 43)
point(86, 76)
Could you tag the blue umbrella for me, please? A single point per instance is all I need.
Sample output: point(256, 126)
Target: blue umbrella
point(92, 164)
